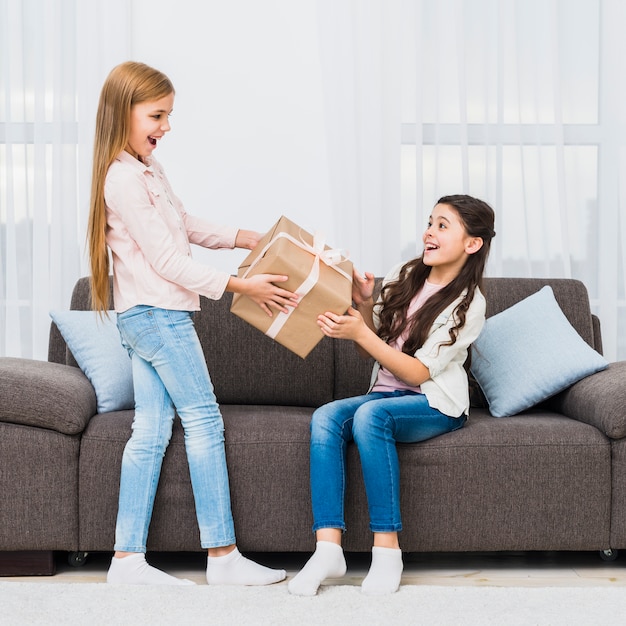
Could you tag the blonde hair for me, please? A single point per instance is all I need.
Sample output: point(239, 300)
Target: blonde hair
point(128, 84)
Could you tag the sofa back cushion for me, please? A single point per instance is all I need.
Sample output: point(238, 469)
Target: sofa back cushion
point(246, 367)
point(571, 295)
point(249, 368)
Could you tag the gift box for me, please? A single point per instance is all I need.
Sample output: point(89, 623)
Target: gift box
point(321, 276)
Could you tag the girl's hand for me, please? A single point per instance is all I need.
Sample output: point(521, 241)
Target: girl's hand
point(262, 290)
point(247, 239)
point(362, 287)
point(348, 326)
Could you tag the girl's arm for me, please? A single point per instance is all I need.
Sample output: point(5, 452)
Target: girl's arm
point(362, 296)
point(352, 326)
point(366, 309)
point(247, 239)
point(128, 199)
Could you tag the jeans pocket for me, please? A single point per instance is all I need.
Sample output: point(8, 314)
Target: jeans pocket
point(140, 331)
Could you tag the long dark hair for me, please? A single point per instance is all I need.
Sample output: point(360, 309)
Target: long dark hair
point(478, 219)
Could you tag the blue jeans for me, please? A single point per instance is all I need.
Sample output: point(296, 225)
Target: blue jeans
point(170, 374)
point(375, 422)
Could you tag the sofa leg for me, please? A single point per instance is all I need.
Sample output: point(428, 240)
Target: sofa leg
point(27, 563)
point(608, 555)
point(77, 559)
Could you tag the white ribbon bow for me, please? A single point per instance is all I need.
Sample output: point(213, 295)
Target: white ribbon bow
point(330, 257)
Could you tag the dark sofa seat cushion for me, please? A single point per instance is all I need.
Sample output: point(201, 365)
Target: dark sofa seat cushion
point(267, 451)
point(539, 481)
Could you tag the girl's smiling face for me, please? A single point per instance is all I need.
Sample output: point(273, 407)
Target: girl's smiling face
point(447, 244)
point(149, 121)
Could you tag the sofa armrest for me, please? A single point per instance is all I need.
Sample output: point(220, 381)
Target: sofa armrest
point(598, 400)
point(46, 395)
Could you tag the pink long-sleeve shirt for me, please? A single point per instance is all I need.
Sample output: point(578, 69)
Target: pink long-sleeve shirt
point(149, 234)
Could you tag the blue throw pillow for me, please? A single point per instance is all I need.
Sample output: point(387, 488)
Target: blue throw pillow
point(96, 345)
point(529, 352)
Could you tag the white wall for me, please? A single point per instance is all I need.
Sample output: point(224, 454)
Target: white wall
point(247, 141)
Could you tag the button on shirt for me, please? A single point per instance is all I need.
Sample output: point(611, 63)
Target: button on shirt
point(149, 234)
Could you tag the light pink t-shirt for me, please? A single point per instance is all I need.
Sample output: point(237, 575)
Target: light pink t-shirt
point(149, 234)
point(385, 380)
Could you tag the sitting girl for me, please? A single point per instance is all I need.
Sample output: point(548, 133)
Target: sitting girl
point(429, 312)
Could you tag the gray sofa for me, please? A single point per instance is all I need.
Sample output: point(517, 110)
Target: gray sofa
point(552, 478)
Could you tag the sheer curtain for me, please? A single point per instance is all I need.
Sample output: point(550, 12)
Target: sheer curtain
point(516, 101)
point(54, 56)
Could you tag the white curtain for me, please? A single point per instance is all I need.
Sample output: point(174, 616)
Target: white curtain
point(519, 102)
point(516, 101)
point(54, 56)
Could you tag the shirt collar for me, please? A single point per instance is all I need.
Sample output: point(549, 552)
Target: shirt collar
point(143, 166)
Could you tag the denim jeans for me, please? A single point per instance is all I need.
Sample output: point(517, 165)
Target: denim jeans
point(170, 374)
point(375, 422)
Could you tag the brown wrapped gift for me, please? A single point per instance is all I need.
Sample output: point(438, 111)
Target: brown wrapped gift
point(321, 276)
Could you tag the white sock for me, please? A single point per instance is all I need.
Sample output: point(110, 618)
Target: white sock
point(385, 571)
point(134, 570)
point(327, 561)
point(236, 569)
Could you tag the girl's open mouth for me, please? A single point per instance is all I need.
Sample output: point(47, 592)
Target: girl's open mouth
point(152, 140)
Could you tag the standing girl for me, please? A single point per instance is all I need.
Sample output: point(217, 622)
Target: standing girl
point(156, 287)
point(429, 312)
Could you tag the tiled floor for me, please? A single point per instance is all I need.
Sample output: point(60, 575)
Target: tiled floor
point(530, 569)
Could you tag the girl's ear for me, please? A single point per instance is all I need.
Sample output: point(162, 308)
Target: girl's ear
point(473, 244)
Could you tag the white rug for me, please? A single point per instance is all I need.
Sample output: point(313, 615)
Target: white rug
point(92, 604)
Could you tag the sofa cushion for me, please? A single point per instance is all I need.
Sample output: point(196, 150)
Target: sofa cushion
point(247, 367)
point(46, 395)
point(529, 352)
point(95, 343)
point(538, 481)
point(571, 294)
point(267, 450)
